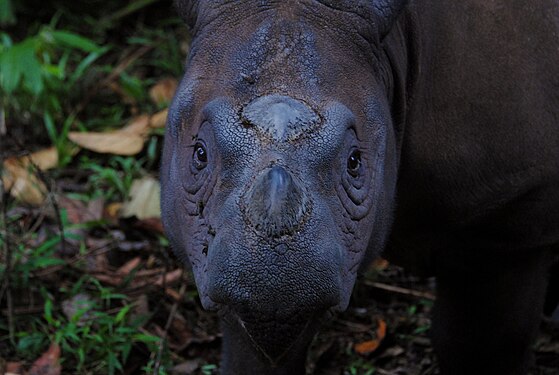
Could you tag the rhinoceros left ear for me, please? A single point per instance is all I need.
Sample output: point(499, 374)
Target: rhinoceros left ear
point(188, 11)
point(386, 13)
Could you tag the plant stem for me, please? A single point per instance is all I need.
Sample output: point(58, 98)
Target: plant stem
point(7, 250)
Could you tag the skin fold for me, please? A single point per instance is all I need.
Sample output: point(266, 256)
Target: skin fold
point(306, 137)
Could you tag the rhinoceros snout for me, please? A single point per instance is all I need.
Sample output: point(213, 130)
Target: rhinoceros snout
point(275, 204)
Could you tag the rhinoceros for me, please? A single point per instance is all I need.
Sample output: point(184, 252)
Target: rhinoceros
point(306, 137)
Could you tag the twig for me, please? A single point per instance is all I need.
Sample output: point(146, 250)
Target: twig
point(50, 194)
point(167, 326)
point(3, 129)
point(127, 10)
point(97, 251)
point(117, 71)
point(35, 225)
point(125, 63)
point(56, 207)
point(400, 290)
point(24, 310)
point(8, 258)
point(391, 372)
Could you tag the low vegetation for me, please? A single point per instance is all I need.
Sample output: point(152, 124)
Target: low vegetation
point(88, 284)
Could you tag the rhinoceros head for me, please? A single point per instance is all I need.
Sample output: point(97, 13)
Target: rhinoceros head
point(279, 164)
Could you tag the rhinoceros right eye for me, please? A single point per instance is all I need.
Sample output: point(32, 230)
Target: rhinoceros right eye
point(200, 156)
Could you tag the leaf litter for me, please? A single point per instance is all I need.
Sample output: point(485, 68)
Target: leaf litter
point(118, 248)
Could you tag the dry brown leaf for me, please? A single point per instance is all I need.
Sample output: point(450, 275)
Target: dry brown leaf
point(169, 278)
point(393, 351)
point(138, 125)
point(180, 332)
point(141, 307)
point(186, 368)
point(48, 363)
point(380, 264)
point(95, 210)
point(151, 224)
point(159, 119)
point(80, 302)
point(126, 141)
point(75, 209)
point(109, 143)
point(144, 201)
point(381, 330)
point(24, 185)
point(173, 294)
point(112, 211)
point(43, 159)
point(14, 368)
point(18, 176)
point(129, 266)
point(109, 279)
point(163, 91)
point(367, 347)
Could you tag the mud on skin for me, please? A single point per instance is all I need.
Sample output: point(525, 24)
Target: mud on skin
point(307, 137)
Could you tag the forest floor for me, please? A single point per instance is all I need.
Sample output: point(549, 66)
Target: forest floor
point(88, 284)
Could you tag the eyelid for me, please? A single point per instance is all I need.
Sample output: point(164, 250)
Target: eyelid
point(196, 142)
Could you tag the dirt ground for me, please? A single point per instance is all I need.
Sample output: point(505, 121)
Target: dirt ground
point(387, 297)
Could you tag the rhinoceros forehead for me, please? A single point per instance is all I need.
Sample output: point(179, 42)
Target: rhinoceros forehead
point(281, 117)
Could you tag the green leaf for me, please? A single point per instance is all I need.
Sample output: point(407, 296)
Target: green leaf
point(10, 72)
point(84, 64)
point(81, 356)
point(122, 313)
point(20, 61)
point(48, 311)
point(46, 262)
point(132, 86)
point(142, 337)
point(110, 295)
point(6, 41)
point(208, 369)
point(7, 15)
point(31, 67)
point(30, 342)
point(113, 362)
point(53, 70)
point(75, 41)
point(420, 330)
point(47, 245)
point(62, 63)
point(125, 331)
point(126, 351)
point(51, 129)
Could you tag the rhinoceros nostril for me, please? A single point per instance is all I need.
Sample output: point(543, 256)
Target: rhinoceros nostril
point(275, 204)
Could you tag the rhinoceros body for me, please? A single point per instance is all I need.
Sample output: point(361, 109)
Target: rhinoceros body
point(308, 136)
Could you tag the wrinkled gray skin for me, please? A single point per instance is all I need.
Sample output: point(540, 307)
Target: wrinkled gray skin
point(307, 136)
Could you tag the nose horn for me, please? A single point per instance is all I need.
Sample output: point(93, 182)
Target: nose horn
point(275, 204)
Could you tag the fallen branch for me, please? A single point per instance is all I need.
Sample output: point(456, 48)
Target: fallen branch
point(400, 290)
point(167, 326)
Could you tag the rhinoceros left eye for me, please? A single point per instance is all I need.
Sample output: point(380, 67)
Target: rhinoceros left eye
point(200, 156)
point(354, 163)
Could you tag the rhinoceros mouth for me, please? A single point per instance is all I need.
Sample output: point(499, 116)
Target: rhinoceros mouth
point(274, 338)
